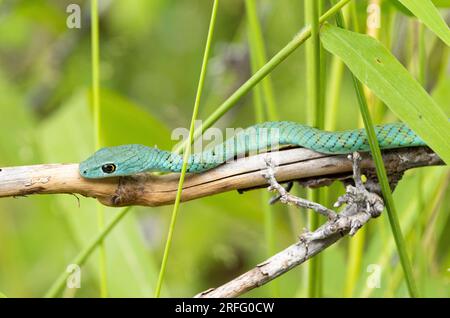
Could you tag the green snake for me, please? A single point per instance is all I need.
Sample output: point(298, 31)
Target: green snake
point(131, 159)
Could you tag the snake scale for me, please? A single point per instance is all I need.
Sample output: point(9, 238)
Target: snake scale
point(132, 159)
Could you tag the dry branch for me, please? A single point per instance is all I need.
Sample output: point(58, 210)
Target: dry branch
point(361, 206)
point(307, 166)
point(273, 267)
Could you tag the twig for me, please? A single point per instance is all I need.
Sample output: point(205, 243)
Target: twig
point(286, 197)
point(306, 166)
point(361, 207)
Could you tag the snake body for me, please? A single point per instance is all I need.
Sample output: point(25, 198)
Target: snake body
point(132, 159)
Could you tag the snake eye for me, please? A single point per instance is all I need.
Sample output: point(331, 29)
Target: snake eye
point(109, 168)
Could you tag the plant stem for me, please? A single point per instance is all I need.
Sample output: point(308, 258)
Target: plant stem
point(81, 258)
point(262, 95)
point(95, 55)
point(383, 181)
point(187, 148)
point(356, 244)
point(316, 119)
point(333, 96)
point(422, 219)
point(422, 56)
point(386, 190)
point(260, 58)
point(298, 40)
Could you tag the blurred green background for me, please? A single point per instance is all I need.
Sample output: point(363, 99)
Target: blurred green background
point(151, 52)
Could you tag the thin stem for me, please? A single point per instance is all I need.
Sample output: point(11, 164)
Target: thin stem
point(334, 93)
point(316, 119)
point(445, 60)
point(422, 56)
point(354, 15)
point(260, 58)
point(356, 245)
point(95, 55)
point(383, 180)
point(231, 101)
point(422, 219)
point(262, 95)
point(255, 60)
point(385, 189)
point(187, 148)
point(82, 257)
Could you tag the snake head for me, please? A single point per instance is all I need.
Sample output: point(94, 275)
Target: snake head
point(114, 162)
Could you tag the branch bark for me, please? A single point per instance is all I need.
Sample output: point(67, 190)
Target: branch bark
point(308, 167)
point(361, 206)
point(270, 269)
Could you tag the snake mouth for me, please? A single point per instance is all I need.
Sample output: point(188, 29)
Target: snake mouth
point(82, 170)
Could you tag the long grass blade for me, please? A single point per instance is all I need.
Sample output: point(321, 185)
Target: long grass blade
point(187, 149)
point(316, 119)
point(262, 95)
point(384, 184)
point(95, 55)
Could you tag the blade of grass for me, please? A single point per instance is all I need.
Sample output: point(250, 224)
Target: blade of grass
point(1, 294)
point(334, 93)
point(316, 119)
point(82, 257)
point(385, 189)
point(323, 191)
point(187, 149)
point(258, 59)
point(426, 12)
point(231, 101)
point(420, 258)
point(354, 14)
point(421, 57)
point(356, 244)
point(384, 184)
point(95, 55)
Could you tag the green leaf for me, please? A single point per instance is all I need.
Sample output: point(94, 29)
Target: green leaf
point(400, 7)
point(442, 3)
point(377, 68)
point(426, 12)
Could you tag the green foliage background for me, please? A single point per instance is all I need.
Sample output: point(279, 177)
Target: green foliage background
point(150, 60)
